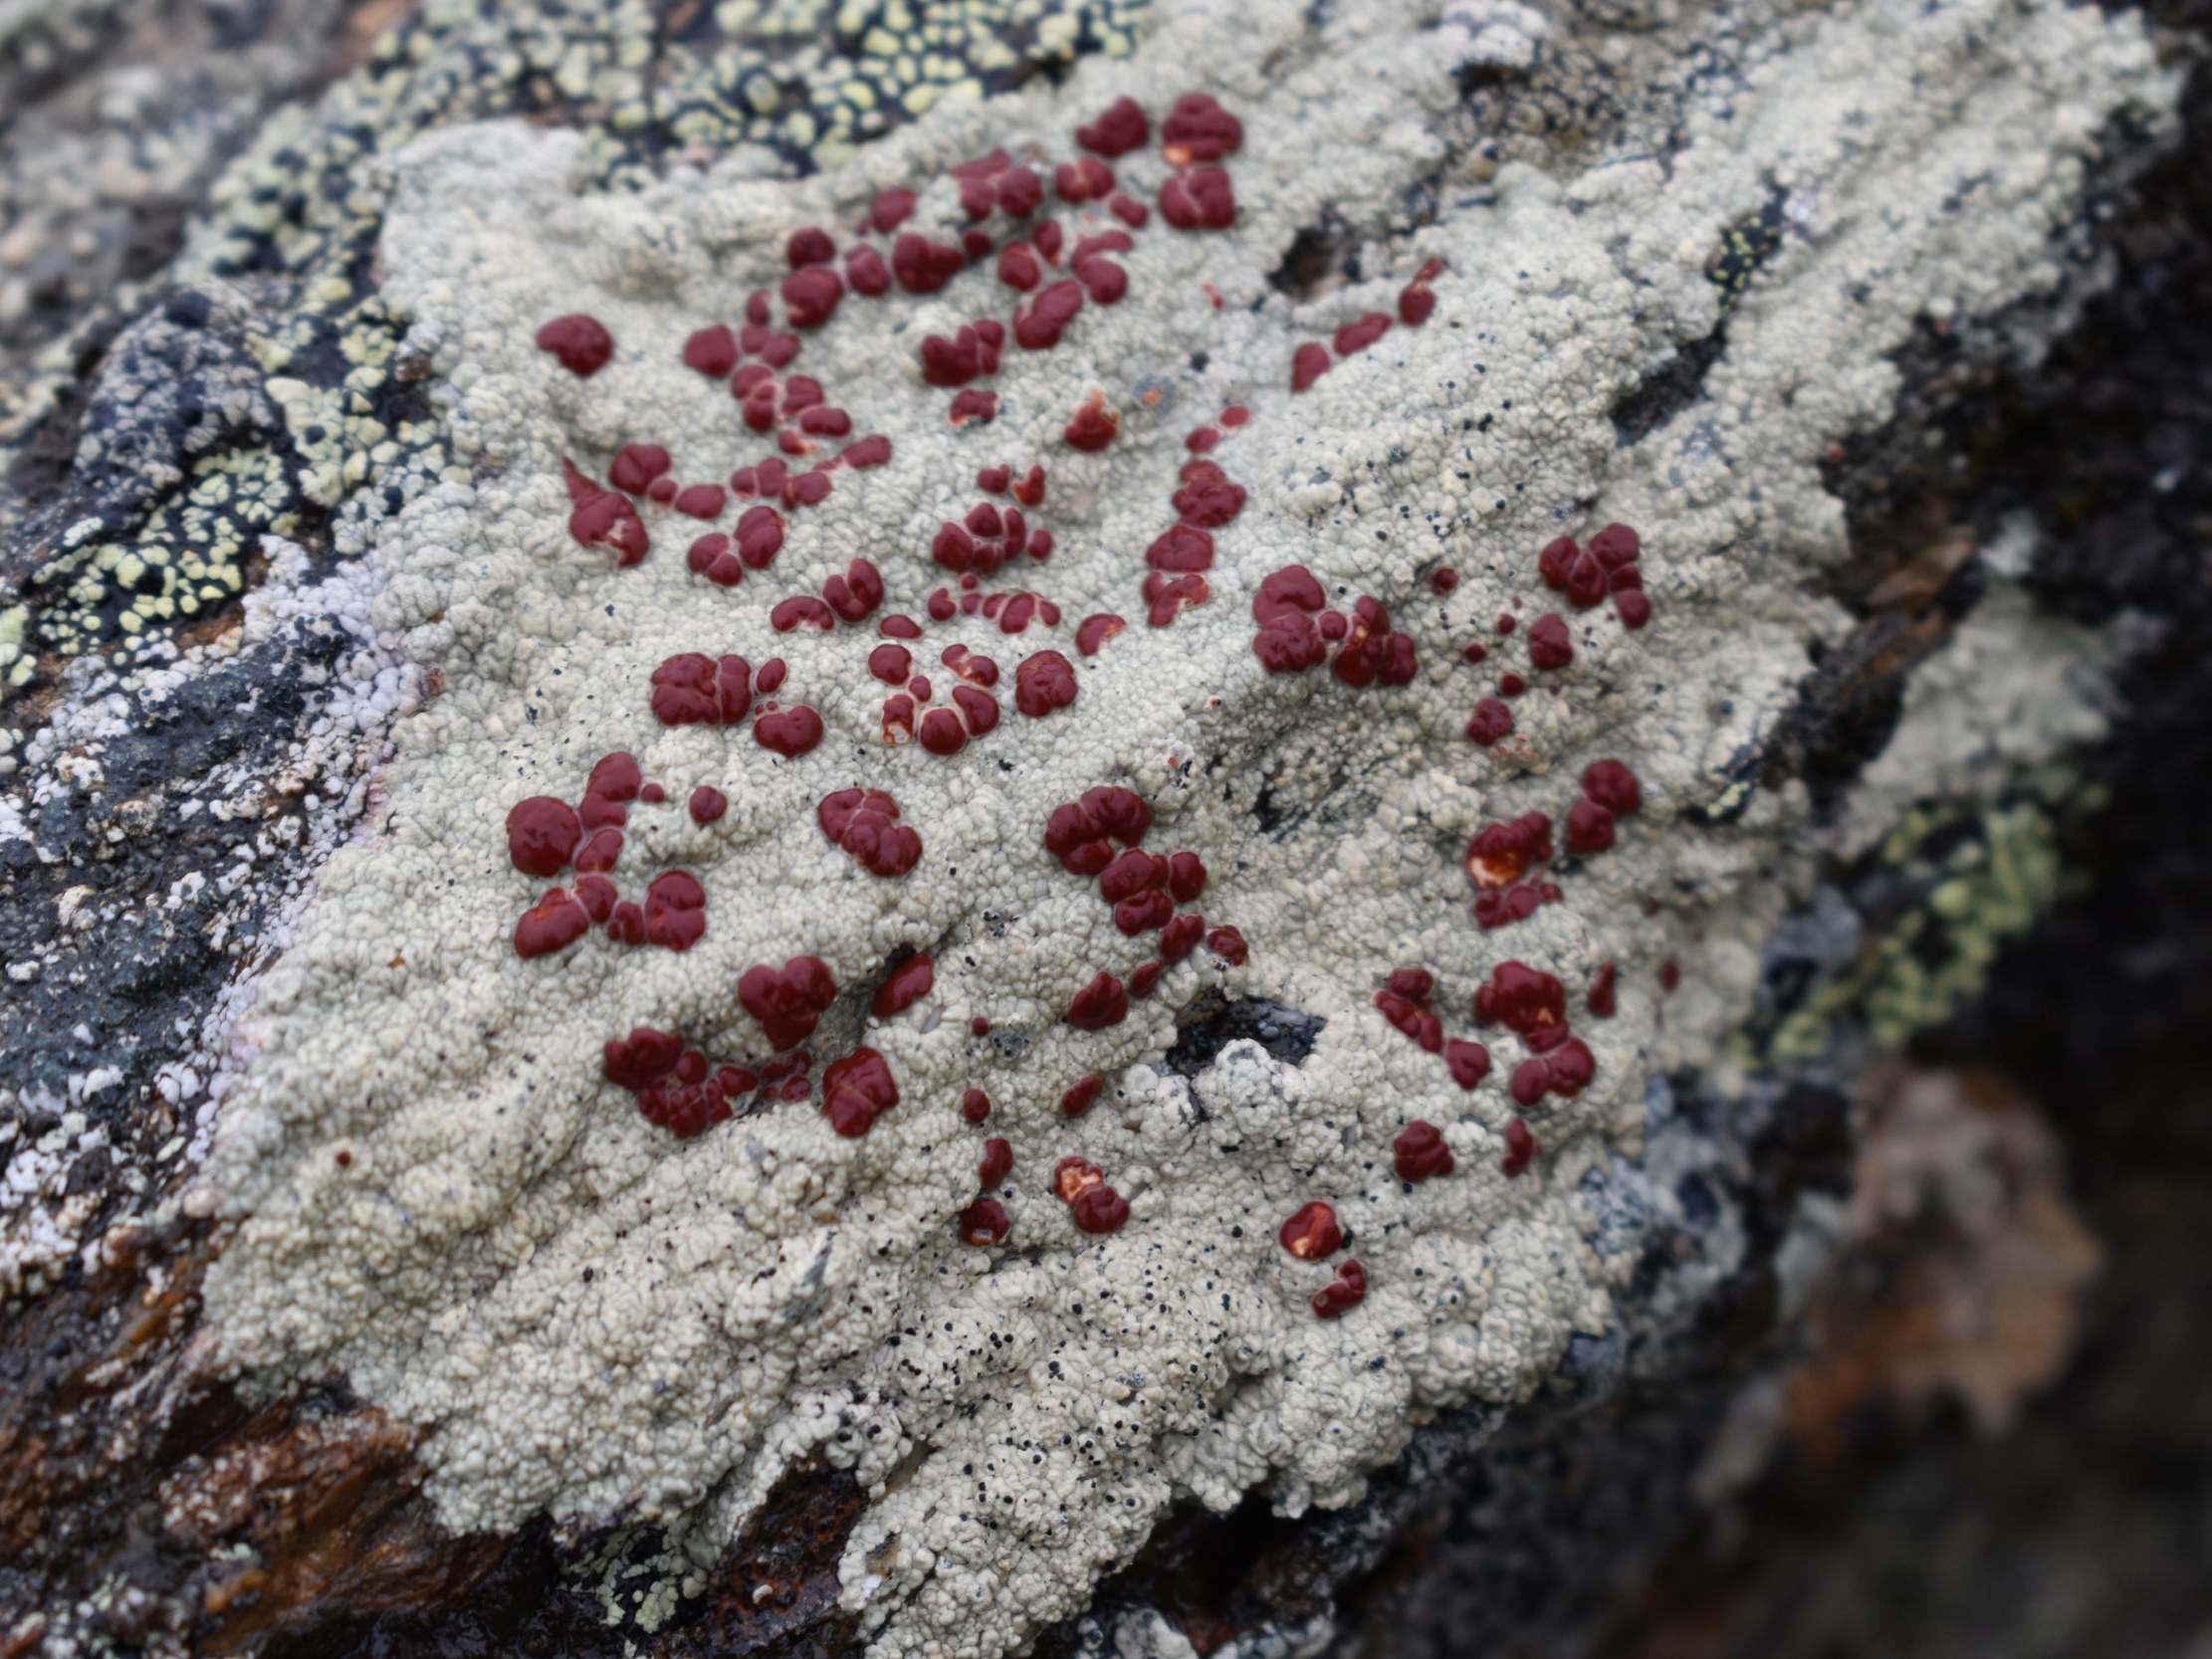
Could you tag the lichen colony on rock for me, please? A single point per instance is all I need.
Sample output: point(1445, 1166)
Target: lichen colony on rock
point(896, 624)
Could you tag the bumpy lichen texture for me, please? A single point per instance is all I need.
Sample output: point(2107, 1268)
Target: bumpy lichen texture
point(602, 1292)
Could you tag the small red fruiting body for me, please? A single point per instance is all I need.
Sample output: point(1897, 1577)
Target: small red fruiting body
point(1507, 906)
point(1166, 595)
point(1198, 129)
point(1206, 496)
point(600, 517)
point(969, 355)
point(1585, 575)
point(801, 610)
point(675, 910)
point(541, 835)
point(699, 501)
point(1081, 1095)
point(1040, 322)
point(1185, 877)
point(1102, 1002)
point(1074, 1176)
point(1082, 832)
point(1527, 1000)
point(1468, 1062)
point(857, 1090)
point(1563, 1070)
point(905, 985)
point(713, 351)
point(788, 1001)
point(1421, 1152)
point(1498, 858)
point(1374, 651)
point(694, 689)
point(989, 538)
point(580, 343)
point(1403, 1001)
point(1143, 889)
point(970, 666)
point(864, 825)
point(922, 266)
point(1490, 722)
point(890, 210)
point(1610, 790)
point(1081, 1186)
point(940, 732)
point(1120, 129)
point(724, 561)
point(791, 732)
point(1042, 682)
point(1549, 644)
point(996, 181)
point(1100, 1209)
point(1136, 885)
point(615, 781)
point(1092, 633)
point(1602, 999)
point(1341, 1294)
point(1501, 854)
point(1359, 335)
point(1417, 301)
point(675, 1087)
point(996, 1164)
point(1613, 786)
point(855, 595)
point(637, 466)
point(1311, 1233)
point(974, 1106)
point(1311, 361)
point(985, 1222)
point(810, 296)
point(1200, 199)
point(1590, 828)
point(1296, 629)
point(1092, 427)
point(867, 272)
point(1520, 1148)
point(707, 803)
point(552, 925)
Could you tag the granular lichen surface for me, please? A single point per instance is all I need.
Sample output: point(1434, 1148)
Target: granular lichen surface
point(1333, 650)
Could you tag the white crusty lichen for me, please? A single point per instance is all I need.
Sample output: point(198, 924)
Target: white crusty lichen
point(434, 1189)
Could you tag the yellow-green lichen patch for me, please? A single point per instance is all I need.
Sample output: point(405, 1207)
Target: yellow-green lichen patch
point(1954, 890)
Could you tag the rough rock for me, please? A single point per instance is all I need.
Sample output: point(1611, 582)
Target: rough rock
point(352, 1169)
